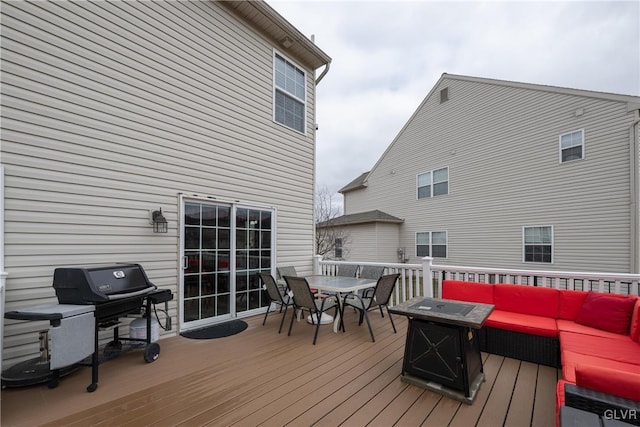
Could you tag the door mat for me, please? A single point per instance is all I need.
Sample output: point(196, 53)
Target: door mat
point(217, 331)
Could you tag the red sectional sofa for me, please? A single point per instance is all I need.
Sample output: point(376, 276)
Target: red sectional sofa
point(593, 337)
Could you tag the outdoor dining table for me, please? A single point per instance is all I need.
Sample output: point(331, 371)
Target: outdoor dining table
point(340, 285)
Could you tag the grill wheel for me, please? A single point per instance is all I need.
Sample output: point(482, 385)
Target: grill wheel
point(151, 352)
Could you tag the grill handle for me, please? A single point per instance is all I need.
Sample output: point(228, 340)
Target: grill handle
point(132, 294)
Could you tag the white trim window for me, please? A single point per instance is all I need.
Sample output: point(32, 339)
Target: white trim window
point(337, 251)
point(538, 244)
point(572, 146)
point(433, 183)
point(289, 93)
point(431, 243)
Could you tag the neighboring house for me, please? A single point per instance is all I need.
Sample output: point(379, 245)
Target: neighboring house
point(112, 110)
point(367, 236)
point(503, 174)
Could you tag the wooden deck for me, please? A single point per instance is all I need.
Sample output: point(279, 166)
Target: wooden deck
point(261, 378)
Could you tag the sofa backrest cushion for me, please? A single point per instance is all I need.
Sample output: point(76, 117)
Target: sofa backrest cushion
point(618, 383)
point(467, 291)
point(534, 300)
point(635, 322)
point(570, 304)
point(607, 312)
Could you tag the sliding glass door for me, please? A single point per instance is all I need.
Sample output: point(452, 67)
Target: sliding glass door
point(224, 246)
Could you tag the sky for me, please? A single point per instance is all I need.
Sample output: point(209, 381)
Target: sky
point(388, 55)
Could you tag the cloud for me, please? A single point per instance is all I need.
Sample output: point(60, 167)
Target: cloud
point(387, 55)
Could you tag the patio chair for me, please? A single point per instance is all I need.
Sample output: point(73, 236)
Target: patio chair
point(289, 270)
point(276, 295)
point(379, 297)
point(371, 272)
point(347, 270)
point(303, 299)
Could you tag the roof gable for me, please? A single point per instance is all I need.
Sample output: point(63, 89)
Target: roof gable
point(356, 184)
point(633, 103)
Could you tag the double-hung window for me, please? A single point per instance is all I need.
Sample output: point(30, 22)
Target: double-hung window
point(431, 243)
point(538, 244)
point(337, 250)
point(433, 183)
point(572, 146)
point(289, 98)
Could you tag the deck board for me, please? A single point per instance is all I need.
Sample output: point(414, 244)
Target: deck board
point(260, 377)
point(523, 397)
point(468, 414)
point(443, 413)
point(495, 409)
point(399, 405)
point(545, 396)
point(377, 395)
point(420, 410)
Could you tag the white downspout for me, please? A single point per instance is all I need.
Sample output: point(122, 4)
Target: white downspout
point(324, 72)
point(326, 68)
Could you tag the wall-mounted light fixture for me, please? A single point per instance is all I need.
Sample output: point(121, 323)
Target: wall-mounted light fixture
point(286, 42)
point(159, 222)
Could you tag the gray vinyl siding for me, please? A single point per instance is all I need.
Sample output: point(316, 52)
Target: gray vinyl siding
point(500, 143)
point(388, 242)
point(112, 109)
point(374, 242)
point(361, 243)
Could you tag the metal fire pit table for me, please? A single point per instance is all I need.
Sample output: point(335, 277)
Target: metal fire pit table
point(442, 351)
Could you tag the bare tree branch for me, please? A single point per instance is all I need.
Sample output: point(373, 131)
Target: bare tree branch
point(327, 234)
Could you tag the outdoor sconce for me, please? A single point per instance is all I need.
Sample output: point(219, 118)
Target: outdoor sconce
point(159, 222)
point(286, 42)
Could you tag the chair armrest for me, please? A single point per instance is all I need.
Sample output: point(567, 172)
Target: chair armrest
point(605, 405)
point(366, 293)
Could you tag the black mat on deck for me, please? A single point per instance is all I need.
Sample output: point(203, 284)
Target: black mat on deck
point(217, 331)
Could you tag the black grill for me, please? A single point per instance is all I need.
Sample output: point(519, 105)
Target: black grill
point(114, 291)
point(97, 285)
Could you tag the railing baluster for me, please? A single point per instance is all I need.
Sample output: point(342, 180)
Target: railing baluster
point(617, 287)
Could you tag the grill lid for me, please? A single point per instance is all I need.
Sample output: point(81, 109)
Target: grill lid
point(92, 285)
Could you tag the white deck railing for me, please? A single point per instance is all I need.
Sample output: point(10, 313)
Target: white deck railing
point(411, 283)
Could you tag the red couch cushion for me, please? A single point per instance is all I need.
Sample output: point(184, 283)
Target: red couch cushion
point(607, 312)
point(467, 291)
point(622, 349)
point(611, 381)
point(571, 359)
point(571, 326)
point(534, 300)
point(635, 322)
point(525, 323)
point(570, 304)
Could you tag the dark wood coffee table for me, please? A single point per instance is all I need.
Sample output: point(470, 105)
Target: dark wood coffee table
point(442, 351)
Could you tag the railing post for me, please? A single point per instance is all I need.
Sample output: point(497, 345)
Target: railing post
point(317, 269)
point(427, 277)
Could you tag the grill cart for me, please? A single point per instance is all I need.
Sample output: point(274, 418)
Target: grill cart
point(90, 299)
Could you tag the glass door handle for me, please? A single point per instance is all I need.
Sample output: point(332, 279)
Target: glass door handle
point(185, 262)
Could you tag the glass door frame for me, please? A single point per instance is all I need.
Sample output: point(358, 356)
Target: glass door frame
point(234, 206)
